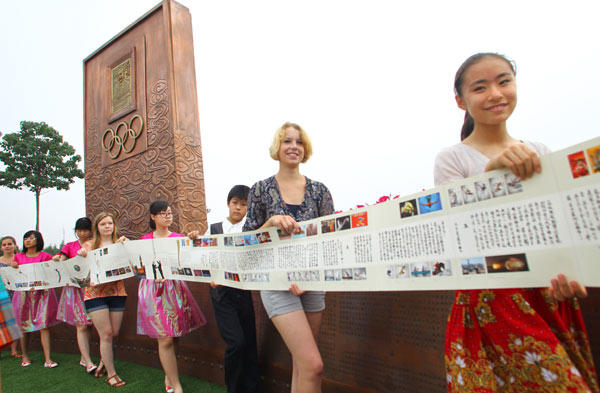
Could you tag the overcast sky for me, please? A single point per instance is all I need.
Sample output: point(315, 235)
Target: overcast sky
point(370, 81)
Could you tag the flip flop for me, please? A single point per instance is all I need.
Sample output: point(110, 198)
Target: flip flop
point(25, 364)
point(91, 368)
point(118, 382)
point(100, 370)
point(16, 355)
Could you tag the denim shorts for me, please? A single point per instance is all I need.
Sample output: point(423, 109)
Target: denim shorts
point(113, 303)
point(283, 302)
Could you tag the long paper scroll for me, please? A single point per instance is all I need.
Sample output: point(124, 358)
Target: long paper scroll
point(487, 231)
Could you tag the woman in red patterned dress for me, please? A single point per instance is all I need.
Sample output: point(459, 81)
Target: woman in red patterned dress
point(508, 340)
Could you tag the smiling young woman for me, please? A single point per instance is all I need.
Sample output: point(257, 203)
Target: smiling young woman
point(282, 201)
point(517, 339)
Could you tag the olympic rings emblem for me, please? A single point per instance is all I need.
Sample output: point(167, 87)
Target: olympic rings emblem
point(120, 140)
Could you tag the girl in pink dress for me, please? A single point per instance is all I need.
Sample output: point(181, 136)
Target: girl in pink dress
point(34, 310)
point(166, 308)
point(70, 307)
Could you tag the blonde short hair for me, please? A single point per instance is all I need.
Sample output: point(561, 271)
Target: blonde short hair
point(280, 135)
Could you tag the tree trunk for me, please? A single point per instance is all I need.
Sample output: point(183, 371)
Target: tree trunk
point(37, 210)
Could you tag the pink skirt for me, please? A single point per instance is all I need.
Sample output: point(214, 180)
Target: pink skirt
point(35, 310)
point(167, 309)
point(71, 308)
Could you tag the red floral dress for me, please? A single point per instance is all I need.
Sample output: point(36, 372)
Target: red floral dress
point(517, 340)
point(512, 340)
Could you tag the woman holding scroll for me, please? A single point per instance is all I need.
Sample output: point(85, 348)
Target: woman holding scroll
point(166, 308)
point(282, 201)
point(509, 340)
point(34, 309)
point(105, 303)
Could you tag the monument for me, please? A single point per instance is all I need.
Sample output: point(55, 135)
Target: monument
point(142, 131)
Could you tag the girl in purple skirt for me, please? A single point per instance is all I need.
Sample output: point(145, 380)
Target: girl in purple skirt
point(34, 310)
point(166, 308)
point(71, 308)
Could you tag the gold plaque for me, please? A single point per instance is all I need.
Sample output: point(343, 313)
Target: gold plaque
point(121, 86)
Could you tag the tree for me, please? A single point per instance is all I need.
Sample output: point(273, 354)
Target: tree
point(37, 158)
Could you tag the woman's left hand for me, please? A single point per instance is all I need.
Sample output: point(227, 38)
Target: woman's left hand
point(122, 239)
point(296, 291)
point(561, 289)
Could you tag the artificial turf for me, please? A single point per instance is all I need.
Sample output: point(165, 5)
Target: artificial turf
point(70, 377)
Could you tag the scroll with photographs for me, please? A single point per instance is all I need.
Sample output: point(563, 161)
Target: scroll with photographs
point(489, 231)
point(34, 276)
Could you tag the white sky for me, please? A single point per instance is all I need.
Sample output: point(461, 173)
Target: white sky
point(370, 81)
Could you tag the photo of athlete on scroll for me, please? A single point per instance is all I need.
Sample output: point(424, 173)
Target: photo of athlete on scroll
point(282, 201)
point(516, 339)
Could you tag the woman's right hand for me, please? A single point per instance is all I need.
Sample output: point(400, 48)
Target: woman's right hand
point(14, 264)
point(519, 159)
point(193, 235)
point(286, 223)
point(82, 252)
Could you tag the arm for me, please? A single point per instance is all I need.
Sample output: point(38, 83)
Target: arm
point(83, 251)
point(256, 218)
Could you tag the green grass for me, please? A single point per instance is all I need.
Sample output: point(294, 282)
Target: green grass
point(71, 377)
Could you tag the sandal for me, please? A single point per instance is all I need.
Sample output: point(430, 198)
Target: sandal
point(118, 382)
point(16, 355)
point(25, 363)
point(90, 368)
point(50, 365)
point(100, 370)
point(82, 363)
point(169, 389)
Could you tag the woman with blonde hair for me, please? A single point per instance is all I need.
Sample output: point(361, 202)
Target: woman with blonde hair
point(282, 201)
point(105, 303)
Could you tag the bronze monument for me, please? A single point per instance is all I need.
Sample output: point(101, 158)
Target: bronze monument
point(142, 132)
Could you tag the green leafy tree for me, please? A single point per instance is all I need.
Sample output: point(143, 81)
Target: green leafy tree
point(37, 158)
point(53, 249)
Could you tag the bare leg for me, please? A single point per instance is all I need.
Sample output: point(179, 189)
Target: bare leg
point(45, 339)
point(297, 333)
point(24, 343)
point(13, 348)
point(102, 321)
point(166, 352)
point(314, 321)
point(83, 340)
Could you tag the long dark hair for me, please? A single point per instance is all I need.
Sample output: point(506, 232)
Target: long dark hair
point(155, 208)
point(459, 79)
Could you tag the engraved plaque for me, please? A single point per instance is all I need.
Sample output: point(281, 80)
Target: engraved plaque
point(121, 86)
